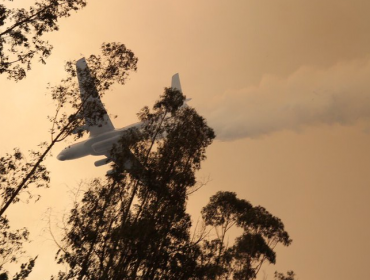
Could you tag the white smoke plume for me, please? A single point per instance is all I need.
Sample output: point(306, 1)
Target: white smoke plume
point(336, 95)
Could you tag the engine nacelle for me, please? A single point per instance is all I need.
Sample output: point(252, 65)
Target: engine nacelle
point(102, 162)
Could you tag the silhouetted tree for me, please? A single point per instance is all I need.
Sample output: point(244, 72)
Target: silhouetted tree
point(135, 225)
point(13, 170)
point(261, 233)
point(112, 66)
point(22, 31)
point(18, 173)
point(11, 248)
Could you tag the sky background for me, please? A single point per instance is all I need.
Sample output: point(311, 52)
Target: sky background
point(285, 84)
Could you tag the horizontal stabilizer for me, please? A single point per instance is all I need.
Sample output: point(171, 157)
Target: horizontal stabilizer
point(185, 104)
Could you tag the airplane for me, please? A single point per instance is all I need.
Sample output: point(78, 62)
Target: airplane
point(103, 135)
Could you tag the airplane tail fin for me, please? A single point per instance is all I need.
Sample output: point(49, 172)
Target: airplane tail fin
point(175, 84)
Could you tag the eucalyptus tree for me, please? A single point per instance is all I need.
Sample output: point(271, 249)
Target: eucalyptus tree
point(21, 174)
point(22, 31)
point(134, 225)
point(112, 66)
point(261, 233)
point(11, 248)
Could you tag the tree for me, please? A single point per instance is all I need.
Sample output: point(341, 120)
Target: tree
point(18, 173)
point(261, 233)
point(112, 66)
point(11, 243)
point(134, 224)
point(22, 31)
point(13, 168)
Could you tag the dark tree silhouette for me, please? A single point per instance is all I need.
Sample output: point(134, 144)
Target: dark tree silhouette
point(22, 30)
point(19, 175)
point(112, 66)
point(261, 233)
point(11, 247)
point(134, 225)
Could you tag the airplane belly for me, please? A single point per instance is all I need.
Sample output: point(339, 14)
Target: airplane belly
point(75, 151)
point(104, 147)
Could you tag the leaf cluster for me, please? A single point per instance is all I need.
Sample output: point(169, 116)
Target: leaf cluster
point(261, 233)
point(22, 30)
point(14, 169)
point(11, 249)
point(72, 109)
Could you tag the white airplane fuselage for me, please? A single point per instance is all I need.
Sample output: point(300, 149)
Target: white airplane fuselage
point(96, 146)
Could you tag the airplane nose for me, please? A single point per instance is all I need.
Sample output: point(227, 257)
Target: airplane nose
point(61, 157)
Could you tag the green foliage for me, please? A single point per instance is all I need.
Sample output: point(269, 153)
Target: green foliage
point(22, 31)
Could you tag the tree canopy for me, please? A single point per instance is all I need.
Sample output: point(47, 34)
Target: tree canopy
point(22, 30)
point(20, 174)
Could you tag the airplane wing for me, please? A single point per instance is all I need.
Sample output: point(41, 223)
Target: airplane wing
point(96, 118)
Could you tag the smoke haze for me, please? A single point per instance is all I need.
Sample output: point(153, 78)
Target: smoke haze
point(336, 95)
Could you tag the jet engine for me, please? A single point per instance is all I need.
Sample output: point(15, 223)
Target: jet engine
point(102, 162)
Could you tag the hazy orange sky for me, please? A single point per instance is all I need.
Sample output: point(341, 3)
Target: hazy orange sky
point(284, 83)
